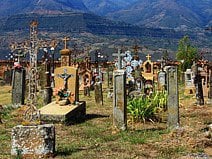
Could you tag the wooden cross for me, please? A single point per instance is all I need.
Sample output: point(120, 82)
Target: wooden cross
point(119, 55)
point(148, 57)
point(65, 42)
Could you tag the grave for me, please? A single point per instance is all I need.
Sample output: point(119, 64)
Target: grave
point(18, 85)
point(173, 97)
point(189, 82)
point(148, 74)
point(119, 100)
point(98, 91)
point(198, 84)
point(210, 87)
point(162, 80)
point(33, 141)
point(67, 107)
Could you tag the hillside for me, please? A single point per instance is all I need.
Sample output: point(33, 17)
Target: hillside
point(8, 7)
point(82, 22)
point(166, 13)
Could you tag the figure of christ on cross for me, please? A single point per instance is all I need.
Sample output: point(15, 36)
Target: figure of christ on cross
point(119, 55)
point(65, 76)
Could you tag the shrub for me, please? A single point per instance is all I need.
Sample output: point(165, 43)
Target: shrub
point(146, 108)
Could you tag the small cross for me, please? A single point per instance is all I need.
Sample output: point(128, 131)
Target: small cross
point(119, 55)
point(148, 57)
point(65, 42)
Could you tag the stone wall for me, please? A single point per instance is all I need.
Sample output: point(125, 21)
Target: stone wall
point(33, 141)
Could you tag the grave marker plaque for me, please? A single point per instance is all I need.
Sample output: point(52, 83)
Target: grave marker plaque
point(18, 85)
point(119, 100)
point(173, 97)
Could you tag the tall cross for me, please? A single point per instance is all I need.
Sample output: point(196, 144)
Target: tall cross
point(148, 57)
point(119, 55)
point(65, 42)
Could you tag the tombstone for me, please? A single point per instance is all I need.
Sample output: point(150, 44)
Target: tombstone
point(36, 141)
point(198, 84)
point(210, 87)
point(173, 97)
point(86, 85)
point(109, 77)
point(67, 81)
point(148, 73)
point(7, 76)
point(18, 85)
point(189, 82)
point(98, 91)
point(72, 82)
point(119, 100)
point(162, 80)
point(45, 82)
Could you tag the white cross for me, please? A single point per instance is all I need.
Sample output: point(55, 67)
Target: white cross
point(119, 55)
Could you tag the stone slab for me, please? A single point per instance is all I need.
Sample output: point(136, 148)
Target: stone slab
point(65, 114)
point(32, 142)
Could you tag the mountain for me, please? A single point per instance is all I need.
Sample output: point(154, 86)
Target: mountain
point(155, 13)
point(103, 7)
point(11, 7)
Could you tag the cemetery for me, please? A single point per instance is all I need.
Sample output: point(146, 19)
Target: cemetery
point(125, 108)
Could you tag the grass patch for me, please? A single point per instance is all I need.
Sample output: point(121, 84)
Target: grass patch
point(171, 152)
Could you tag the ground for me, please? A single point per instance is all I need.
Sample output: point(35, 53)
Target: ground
point(95, 137)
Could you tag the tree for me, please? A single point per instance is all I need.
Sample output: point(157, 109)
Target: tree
point(186, 53)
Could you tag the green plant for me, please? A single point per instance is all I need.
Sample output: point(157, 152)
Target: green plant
point(146, 108)
point(19, 153)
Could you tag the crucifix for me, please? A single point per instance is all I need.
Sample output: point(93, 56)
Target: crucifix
point(65, 76)
point(119, 55)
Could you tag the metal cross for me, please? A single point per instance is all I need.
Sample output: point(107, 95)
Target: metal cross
point(119, 55)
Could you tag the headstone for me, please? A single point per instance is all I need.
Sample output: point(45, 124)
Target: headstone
point(210, 88)
point(72, 82)
point(98, 91)
point(189, 82)
point(173, 97)
point(162, 80)
point(198, 84)
point(33, 141)
point(18, 85)
point(45, 82)
point(119, 100)
point(86, 85)
point(148, 73)
point(8, 76)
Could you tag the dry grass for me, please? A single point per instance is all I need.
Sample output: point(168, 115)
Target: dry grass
point(95, 137)
point(5, 95)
